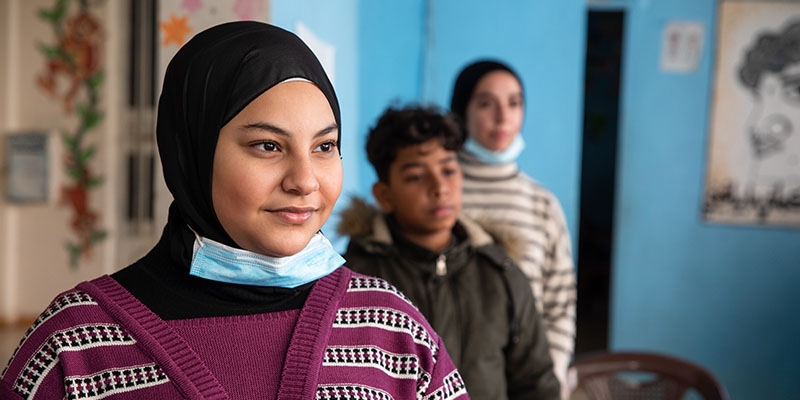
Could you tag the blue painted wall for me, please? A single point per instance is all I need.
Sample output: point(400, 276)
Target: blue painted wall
point(721, 295)
point(715, 294)
point(392, 44)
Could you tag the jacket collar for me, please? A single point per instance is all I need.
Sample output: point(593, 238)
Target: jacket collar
point(366, 222)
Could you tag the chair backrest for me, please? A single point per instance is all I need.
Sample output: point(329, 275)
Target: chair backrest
point(642, 375)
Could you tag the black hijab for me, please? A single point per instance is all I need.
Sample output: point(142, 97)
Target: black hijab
point(468, 78)
point(211, 79)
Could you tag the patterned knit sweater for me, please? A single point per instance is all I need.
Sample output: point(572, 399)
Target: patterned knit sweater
point(356, 337)
point(504, 195)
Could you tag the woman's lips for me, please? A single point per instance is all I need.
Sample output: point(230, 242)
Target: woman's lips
point(294, 216)
point(500, 135)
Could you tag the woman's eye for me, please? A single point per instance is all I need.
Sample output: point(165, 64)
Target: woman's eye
point(266, 146)
point(326, 147)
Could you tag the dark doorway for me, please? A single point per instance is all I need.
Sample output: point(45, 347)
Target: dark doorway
point(604, 35)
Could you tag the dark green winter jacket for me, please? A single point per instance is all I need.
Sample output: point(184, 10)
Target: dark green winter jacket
point(474, 296)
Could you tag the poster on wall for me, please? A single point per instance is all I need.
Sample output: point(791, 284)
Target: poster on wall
point(753, 171)
point(179, 20)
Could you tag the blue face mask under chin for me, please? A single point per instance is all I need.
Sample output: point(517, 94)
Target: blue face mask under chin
point(508, 155)
point(216, 261)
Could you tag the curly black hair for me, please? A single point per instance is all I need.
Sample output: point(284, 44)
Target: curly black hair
point(771, 52)
point(400, 127)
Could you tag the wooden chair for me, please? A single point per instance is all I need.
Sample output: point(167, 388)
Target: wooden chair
point(641, 376)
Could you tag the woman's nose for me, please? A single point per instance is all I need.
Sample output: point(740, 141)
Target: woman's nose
point(300, 177)
point(500, 114)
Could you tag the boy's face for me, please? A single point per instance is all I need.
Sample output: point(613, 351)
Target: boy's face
point(423, 192)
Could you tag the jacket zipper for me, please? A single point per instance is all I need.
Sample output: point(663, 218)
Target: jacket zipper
point(441, 265)
point(433, 286)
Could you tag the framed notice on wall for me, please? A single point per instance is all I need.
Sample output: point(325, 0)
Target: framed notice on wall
point(27, 177)
point(753, 171)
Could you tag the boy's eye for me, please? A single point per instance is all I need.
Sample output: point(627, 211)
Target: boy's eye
point(449, 171)
point(413, 178)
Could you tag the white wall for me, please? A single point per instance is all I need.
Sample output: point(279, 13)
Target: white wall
point(6, 275)
point(34, 265)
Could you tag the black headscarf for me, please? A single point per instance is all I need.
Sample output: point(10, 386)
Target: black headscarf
point(468, 78)
point(211, 79)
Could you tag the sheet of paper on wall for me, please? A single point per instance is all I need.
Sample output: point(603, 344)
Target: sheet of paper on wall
point(682, 45)
point(325, 52)
point(27, 168)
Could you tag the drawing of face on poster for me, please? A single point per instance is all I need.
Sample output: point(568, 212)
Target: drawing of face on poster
point(771, 70)
point(753, 172)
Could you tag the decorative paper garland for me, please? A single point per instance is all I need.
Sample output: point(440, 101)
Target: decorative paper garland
point(76, 56)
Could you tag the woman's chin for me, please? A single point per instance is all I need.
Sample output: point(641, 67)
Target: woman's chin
point(287, 248)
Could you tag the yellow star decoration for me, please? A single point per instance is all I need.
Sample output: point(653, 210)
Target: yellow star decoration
point(175, 30)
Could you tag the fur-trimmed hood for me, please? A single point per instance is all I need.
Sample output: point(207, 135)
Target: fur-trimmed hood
point(362, 219)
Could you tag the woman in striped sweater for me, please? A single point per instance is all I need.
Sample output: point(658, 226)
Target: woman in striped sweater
point(242, 298)
point(488, 98)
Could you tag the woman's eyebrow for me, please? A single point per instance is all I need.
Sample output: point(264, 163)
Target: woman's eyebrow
point(264, 126)
point(489, 95)
point(328, 129)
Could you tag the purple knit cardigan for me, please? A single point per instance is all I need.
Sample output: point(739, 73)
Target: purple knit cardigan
point(356, 337)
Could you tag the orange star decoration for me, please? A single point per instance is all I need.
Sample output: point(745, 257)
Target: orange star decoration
point(175, 30)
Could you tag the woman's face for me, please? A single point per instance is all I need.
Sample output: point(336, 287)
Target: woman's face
point(495, 111)
point(277, 172)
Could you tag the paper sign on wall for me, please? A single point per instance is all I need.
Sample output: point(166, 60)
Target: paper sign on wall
point(681, 46)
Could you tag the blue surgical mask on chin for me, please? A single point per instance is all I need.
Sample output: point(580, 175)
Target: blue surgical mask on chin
point(496, 157)
point(216, 261)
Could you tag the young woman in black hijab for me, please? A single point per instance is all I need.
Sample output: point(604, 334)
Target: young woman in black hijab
point(242, 297)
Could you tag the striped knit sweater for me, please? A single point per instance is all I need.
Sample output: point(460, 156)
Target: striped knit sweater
point(504, 195)
point(356, 337)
